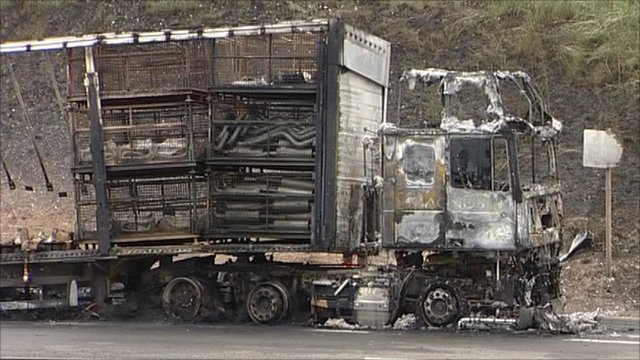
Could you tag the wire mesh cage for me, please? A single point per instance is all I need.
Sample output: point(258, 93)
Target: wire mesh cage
point(136, 69)
point(145, 206)
point(266, 59)
point(264, 206)
point(144, 68)
point(144, 133)
point(269, 130)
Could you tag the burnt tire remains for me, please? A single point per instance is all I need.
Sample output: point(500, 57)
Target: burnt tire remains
point(439, 305)
point(268, 303)
point(183, 298)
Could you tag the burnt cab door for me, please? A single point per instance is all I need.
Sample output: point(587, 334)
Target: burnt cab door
point(480, 201)
point(414, 191)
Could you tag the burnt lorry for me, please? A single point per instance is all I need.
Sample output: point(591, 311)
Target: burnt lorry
point(199, 156)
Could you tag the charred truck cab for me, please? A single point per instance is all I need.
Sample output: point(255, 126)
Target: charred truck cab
point(472, 208)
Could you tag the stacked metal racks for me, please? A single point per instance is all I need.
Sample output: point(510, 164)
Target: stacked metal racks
point(262, 154)
point(154, 123)
point(246, 139)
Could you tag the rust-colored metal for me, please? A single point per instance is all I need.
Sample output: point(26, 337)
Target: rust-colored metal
point(138, 69)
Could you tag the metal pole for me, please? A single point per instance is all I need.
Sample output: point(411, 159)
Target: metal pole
point(498, 284)
point(97, 153)
point(12, 185)
point(16, 88)
point(54, 85)
point(608, 221)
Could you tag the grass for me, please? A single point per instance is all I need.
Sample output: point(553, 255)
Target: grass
point(591, 42)
point(34, 8)
point(168, 6)
point(34, 11)
point(596, 42)
point(585, 42)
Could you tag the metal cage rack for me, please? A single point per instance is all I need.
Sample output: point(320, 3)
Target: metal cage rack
point(141, 206)
point(143, 133)
point(270, 59)
point(161, 68)
point(263, 205)
point(272, 132)
point(262, 166)
point(143, 68)
point(213, 138)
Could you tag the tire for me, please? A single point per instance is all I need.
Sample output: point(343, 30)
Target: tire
point(268, 303)
point(183, 298)
point(440, 305)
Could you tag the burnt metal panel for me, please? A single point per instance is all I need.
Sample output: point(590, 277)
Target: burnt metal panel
point(418, 228)
point(481, 193)
point(388, 146)
point(431, 207)
point(415, 175)
point(360, 108)
point(480, 220)
point(366, 55)
point(330, 121)
point(354, 109)
point(318, 241)
point(420, 197)
point(542, 214)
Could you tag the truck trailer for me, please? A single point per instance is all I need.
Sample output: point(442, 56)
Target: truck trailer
point(200, 155)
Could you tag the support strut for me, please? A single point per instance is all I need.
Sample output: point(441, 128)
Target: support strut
point(16, 88)
point(97, 153)
point(12, 185)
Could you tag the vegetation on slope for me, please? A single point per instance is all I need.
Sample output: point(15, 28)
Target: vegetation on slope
point(593, 42)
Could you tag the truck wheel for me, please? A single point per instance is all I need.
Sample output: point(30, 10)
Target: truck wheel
point(182, 298)
point(439, 305)
point(268, 303)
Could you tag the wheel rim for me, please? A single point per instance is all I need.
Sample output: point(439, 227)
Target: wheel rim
point(182, 298)
point(440, 306)
point(267, 303)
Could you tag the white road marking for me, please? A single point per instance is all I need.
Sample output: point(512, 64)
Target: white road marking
point(382, 358)
point(412, 347)
point(341, 331)
point(602, 341)
point(41, 358)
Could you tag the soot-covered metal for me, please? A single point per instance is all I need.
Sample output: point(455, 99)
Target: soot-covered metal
point(496, 117)
point(485, 180)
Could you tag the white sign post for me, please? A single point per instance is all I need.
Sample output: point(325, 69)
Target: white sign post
point(602, 150)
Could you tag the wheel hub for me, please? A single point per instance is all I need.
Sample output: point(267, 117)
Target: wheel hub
point(182, 298)
point(267, 303)
point(440, 306)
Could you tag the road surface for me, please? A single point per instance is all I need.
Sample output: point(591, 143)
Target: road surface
point(131, 340)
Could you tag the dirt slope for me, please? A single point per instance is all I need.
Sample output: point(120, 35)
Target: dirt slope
point(446, 35)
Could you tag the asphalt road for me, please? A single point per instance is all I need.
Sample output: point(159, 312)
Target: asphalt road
point(128, 340)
